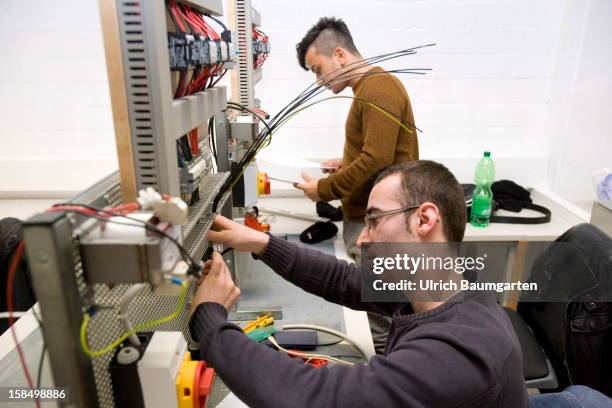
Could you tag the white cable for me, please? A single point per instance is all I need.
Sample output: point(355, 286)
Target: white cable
point(365, 355)
point(213, 159)
point(309, 356)
point(291, 214)
point(127, 298)
point(5, 315)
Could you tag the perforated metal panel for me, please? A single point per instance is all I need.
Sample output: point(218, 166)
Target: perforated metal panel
point(195, 240)
point(105, 328)
point(148, 305)
point(209, 188)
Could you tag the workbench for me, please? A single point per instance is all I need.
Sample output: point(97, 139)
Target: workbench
point(261, 288)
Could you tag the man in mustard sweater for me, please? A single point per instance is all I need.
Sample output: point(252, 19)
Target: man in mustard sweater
point(373, 141)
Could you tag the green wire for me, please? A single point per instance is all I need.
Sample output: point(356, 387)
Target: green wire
point(139, 327)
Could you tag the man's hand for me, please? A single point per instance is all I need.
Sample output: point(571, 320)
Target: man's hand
point(309, 187)
point(335, 163)
point(240, 237)
point(216, 285)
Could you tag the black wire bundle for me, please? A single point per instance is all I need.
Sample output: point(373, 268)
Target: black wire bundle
point(183, 145)
point(313, 90)
point(212, 134)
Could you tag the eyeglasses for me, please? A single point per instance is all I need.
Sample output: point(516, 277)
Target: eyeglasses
point(370, 218)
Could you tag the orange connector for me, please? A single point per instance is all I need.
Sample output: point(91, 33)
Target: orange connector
point(251, 221)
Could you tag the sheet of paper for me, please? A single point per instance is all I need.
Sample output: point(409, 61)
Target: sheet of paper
point(284, 181)
point(232, 401)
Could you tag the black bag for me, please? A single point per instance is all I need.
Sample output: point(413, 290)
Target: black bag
point(23, 293)
point(576, 335)
point(326, 210)
point(318, 232)
point(508, 195)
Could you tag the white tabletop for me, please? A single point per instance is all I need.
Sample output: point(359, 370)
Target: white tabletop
point(563, 218)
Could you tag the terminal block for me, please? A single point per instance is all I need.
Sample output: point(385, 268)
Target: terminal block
point(188, 51)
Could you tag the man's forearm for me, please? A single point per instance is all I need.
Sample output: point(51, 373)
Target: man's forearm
point(315, 272)
point(320, 274)
point(260, 244)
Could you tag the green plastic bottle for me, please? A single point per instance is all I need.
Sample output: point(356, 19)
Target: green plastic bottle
point(482, 198)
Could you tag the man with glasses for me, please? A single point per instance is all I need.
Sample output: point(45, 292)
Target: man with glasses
point(372, 140)
point(458, 352)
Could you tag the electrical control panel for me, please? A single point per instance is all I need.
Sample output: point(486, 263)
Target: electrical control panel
point(166, 60)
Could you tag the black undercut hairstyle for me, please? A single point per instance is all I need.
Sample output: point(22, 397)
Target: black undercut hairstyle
point(326, 35)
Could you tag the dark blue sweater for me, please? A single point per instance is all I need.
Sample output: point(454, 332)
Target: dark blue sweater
point(463, 353)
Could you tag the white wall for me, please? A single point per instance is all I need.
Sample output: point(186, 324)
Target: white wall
point(489, 90)
point(581, 116)
point(56, 129)
point(495, 85)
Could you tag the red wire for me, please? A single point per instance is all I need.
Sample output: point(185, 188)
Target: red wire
point(189, 21)
point(176, 12)
point(196, 139)
point(82, 210)
point(121, 209)
point(198, 24)
point(198, 82)
point(201, 82)
point(209, 30)
point(193, 139)
point(218, 79)
point(192, 83)
point(201, 23)
point(204, 80)
point(9, 305)
point(173, 10)
point(255, 32)
point(125, 208)
point(215, 34)
point(188, 14)
point(261, 112)
point(180, 90)
point(197, 19)
point(216, 70)
point(194, 26)
point(202, 77)
point(261, 58)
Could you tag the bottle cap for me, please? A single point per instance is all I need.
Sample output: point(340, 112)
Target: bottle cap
point(487, 154)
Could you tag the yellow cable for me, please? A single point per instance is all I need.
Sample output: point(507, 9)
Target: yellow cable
point(139, 327)
point(282, 122)
point(372, 104)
